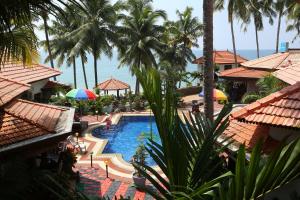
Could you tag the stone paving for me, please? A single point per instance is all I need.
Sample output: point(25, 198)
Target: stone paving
point(94, 183)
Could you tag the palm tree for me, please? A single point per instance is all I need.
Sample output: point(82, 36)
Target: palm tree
point(44, 16)
point(235, 9)
point(139, 35)
point(15, 16)
point(258, 9)
point(61, 44)
point(294, 19)
point(282, 7)
point(180, 36)
point(96, 31)
point(208, 73)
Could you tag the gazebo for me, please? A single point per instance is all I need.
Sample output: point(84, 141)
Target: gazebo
point(113, 85)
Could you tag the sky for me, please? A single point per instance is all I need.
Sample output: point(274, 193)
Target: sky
point(222, 35)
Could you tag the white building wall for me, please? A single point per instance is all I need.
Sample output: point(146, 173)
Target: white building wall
point(36, 88)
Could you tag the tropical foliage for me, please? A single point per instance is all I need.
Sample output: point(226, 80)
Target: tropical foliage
point(179, 37)
point(189, 155)
point(95, 32)
point(266, 86)
point(139, 35)
point(236, 9)
point(18, 40)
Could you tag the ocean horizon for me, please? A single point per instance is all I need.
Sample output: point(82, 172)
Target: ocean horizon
point(108, 67)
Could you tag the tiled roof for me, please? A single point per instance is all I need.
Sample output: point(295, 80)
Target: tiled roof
point(290, 74)
point(44, 115)
point(244, 133)
point(250, 134)
point(27, 74)
point(281, 108)
point(222, 57)
point(275, 61)
point(113, 84)
point(13, 130)
point(9, 89)
point(243, 72)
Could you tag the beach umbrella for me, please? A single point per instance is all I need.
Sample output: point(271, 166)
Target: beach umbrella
point(81, 94)
point(218, 95)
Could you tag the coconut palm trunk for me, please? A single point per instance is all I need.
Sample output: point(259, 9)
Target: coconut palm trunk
point(233, 41)
point(208, 58)
point(95, 69)
point(137, 83)
point(44, 16)
point(74, 72)
point(84, 73)
point(278, 30)
point(256, 37)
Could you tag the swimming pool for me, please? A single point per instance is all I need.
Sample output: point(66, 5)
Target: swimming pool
point(125, 137)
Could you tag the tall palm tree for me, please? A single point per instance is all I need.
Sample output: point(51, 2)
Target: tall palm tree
point(208, 73)
point(44, 16)
point(294, 19)
point(61, 44)
point(235, 9)
point(139, 35)
point(282, 8)
point(258, 9)
point(96, 31)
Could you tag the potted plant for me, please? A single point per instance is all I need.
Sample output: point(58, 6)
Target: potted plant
point(139, 157)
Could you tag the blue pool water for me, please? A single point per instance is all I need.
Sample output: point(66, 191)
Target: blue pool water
point(125, 137)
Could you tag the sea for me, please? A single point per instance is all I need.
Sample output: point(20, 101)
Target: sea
point(109, 67)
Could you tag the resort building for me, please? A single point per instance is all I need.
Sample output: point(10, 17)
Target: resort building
point(36, 75)
point(272, 119)
point(223, 60)
point(243, 79)
point(29, 128)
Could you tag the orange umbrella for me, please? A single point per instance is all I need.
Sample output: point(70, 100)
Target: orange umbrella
point(218, 95)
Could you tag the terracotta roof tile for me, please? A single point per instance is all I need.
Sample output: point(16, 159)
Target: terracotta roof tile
point(281, 108)
point(113, 84)
point(27, 74)
point(290, 74)
point(244, 133)
point(222, 57)
point(275, 61)
point(44, 115)
point(13, 130)
point(243, 72)
point(9, 89)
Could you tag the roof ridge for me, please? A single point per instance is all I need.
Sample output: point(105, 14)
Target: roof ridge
point(250, 108)
point(283, 60)
point(277, 55)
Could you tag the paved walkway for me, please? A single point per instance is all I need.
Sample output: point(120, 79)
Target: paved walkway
point(95, 184)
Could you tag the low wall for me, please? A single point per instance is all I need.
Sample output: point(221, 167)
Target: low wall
point(189, 90)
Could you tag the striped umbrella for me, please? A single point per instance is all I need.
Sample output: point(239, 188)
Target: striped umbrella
point(81, 94)
point(218, 95)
